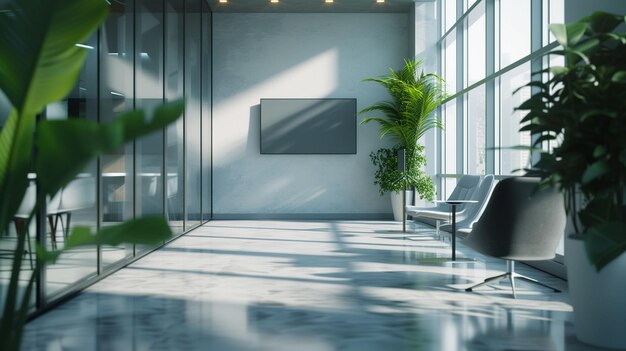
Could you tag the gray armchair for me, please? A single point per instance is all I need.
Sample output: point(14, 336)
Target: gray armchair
point(474, 211)
point(519, 224)
point(463, 191)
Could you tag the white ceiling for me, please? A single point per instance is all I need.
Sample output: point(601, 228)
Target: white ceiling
point(312, 6)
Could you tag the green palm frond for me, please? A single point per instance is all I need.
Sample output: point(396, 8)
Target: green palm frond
point(389, 109)
point(415, 97)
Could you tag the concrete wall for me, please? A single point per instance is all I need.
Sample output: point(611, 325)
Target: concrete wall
point(577, 9)
point(298, 55)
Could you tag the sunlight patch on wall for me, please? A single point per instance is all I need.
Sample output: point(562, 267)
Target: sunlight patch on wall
point(316, 77)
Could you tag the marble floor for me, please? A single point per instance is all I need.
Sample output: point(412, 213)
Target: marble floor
point(308, 285)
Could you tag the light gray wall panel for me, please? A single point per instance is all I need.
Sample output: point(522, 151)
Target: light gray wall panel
point(297, 56)
point(577, 9)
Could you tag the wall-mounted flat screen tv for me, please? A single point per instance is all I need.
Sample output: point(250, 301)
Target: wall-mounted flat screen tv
point(308, 126)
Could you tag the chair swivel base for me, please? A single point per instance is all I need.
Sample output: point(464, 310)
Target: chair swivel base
point(511, 275)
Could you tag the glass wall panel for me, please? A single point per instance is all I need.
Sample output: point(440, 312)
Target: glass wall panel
point(206, 112)
point(174, 89)
point(509, 135)
point(450, 63)
point(514, 30)
point(75, 204)
point(449, 184)
point(450, 137)
point(149, 196)
point(469, 3)
point(116, 95)
point(145, 52)
point(450, 11)
point(475, 45)
point(475, 131)
point(556, 15)
point(18, 229)
point(193, 130)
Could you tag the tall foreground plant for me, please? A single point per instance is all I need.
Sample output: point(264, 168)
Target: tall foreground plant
point(409, 115)
point(582, 110)
point(39, 64)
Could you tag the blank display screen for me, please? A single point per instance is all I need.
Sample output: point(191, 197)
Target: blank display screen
point(308, 126)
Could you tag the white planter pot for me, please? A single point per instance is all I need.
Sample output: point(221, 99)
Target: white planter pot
point(597, 297)
point(396, 203)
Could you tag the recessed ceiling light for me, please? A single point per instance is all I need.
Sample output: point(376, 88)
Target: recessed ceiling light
point(328, 1)
point(273, 1)
point(380, 1)
point(223, 1)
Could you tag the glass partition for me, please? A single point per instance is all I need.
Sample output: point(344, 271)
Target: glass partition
point(117, 95)
point(75, 204)
point(174, 88)
point(149, 195)
point(144, 53)
point(207, 87)
point(19, 229)
point(193, 130)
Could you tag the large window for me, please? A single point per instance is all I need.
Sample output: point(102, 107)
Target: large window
point(514, 34)
point(509, 160)
point(488, 49)
point(474, 49)
point(487, 52)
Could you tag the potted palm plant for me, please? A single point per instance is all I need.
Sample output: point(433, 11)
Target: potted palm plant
point(581, 110)
point(407, 117)
point(390, 179)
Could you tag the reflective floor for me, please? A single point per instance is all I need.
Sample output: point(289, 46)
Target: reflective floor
point(307, 285)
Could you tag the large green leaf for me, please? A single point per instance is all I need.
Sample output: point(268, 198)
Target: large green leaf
point(541, 139)
point(6, 140)
point(602, 22)
point(40, 60)
point(622, 157)
point(15, 153)
point(598, 210)
point(597, 169)
point(141, 231)
point(605, 242)
point(619, 77)
point(60, 160)
point(39, 64)
point(568, 34)
point(588, 45)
